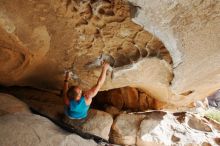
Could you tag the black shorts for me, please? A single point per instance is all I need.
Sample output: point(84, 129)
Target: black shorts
point(75, 123)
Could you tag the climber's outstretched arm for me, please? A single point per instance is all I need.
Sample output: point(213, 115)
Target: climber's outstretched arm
point(95, 89)
point(65, 88)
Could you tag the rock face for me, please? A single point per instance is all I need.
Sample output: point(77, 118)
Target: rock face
point(10, 104)
point(190, 31)
point(163, 128)
point(99, 123)
point(94, 30)
point(125, 128)
point(23, 129)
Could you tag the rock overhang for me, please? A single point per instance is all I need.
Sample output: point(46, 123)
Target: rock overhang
point(79, 32)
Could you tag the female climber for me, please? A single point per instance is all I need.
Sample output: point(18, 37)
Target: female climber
point(76, 102)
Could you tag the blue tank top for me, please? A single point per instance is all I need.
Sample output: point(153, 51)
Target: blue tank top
point(77, 109)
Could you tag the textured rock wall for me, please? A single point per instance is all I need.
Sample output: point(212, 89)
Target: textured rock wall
point(40, 39)
point(74, 35)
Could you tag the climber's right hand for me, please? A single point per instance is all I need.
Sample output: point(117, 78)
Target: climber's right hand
point(105, 65)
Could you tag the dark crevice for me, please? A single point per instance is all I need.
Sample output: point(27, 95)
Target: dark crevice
point(187, 93)
point(123, 99)
point(133, 10)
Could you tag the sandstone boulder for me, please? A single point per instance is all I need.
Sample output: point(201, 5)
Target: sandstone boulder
point(10, 104)
point(163, 128)
point(124, 129)
point(34, 130)
point(176, 129)
point(98, 123)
